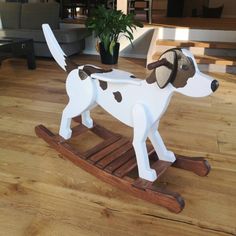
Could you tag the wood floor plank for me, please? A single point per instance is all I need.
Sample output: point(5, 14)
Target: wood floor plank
point(76, 207)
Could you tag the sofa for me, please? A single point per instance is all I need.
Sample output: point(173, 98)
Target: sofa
point(24, 20)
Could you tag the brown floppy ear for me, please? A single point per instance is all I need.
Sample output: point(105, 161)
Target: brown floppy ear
point(165, 73)
point(83, 75)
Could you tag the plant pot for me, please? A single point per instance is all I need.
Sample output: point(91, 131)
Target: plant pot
point(106, 57)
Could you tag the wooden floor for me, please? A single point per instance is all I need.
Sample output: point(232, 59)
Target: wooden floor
point(43, 194)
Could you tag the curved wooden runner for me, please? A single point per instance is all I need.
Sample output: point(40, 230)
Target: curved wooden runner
point(113, 160)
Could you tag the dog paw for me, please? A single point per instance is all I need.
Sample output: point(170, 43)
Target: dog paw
point(66, 134)
point(170, 156)
point(149, 175)
point(88, 123)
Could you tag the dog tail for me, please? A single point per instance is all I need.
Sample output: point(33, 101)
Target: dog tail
point(56, 51)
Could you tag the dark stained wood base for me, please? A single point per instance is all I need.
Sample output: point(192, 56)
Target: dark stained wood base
point(113, 161)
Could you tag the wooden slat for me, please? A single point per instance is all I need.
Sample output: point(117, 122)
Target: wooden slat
point(107, 150)
point(160, 167)
point(197, 165)
point(114, 155)
point(132, 163)
point(201, 44)
point(121, 161)
point(77, 119)
point(101, 146)
point(78, 130)
point(97, 130)
point(126, 168)
point(126, 157)
point(102, 132)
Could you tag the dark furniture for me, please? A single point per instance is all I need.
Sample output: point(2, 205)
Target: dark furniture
point(147, 8)
point(175, 8)
point(13, 47)
point(212, 12)
point(86, 6)
point(25, 21)
point(71, 5)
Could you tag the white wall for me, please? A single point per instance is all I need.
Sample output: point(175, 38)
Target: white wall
point(122, 5)
point(141, 42)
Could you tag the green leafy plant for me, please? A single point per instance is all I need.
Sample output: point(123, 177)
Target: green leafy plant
point(109, 25)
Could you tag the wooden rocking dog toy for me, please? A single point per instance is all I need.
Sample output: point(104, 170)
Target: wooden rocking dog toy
point(137, 103)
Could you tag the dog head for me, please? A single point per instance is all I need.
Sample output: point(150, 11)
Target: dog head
point(179, 68)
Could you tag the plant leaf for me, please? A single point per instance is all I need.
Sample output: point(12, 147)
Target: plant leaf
point(108, 24)
point(111, 47)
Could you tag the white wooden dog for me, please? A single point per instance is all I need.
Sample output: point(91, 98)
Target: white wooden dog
point(135, 102)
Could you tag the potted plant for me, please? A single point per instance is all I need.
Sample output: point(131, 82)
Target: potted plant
point(109, 25)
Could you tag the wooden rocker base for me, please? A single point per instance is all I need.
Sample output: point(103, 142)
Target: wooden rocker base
point(113, 161)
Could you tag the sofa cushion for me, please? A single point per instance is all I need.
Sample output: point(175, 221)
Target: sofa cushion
point(63, 36)
point(10, 15)
point(71, 35)
point(41, 49)
point(33, 15)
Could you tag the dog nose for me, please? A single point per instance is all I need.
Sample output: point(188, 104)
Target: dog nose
point(214, 85)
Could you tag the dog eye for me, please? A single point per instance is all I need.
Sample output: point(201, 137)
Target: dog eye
point(184, 67)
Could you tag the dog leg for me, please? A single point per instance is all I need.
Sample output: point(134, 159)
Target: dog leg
point(141, 127)
point(86, 119)
point(159, 146)
point(71, 110)
point(65, 130)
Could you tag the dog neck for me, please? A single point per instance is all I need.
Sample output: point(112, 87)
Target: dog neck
point(161, 98)
point(169, 91)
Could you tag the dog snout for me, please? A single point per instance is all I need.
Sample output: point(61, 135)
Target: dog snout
point(214, 85)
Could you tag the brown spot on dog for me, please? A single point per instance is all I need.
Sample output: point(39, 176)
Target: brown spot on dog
point(103, 84)
point(91, 70)
point(185, 70)
point(70, 65)
point(117, 96)
point(151, 78)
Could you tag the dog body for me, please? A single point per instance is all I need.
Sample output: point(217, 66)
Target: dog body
point(117, 97)
point(137, 103)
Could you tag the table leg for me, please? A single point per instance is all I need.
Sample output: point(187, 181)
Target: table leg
point(30, 55)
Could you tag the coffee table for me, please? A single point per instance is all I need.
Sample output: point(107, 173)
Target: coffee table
point(18, 47)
